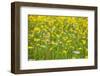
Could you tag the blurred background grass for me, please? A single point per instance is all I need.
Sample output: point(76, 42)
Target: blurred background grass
point(57, 37)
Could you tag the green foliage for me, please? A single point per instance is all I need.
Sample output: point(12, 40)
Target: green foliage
point(57, 37)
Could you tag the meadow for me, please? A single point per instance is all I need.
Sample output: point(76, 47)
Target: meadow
point(57, 37)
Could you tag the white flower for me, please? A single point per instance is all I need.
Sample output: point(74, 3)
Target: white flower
point(76, 52)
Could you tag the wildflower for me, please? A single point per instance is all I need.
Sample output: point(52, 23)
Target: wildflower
point(50, 49)
point(38, 44)
point(71, 20)
point(76, 52)
point(79, 48)
point(30, 47)
point(43, 46)
point(64, 51)
point(83, 41)
point(36, 29)
point(35, 39)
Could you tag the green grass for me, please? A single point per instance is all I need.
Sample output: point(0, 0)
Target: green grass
point(57, 37)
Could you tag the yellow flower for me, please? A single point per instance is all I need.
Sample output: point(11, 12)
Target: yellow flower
point(43, 46)
point(31, 18)
point(30, 47)
point(57, 35)
point(64, 51)
point(71, 20)
point(69, 41)
point(85, 23)
point(48, 34)
point(38, 44)
point(50, 49)
point(83, 41)
point(42, 26)
point(35, 39)
point(36, 29)
point(79, 48)
point(71, 30)
point(52, 42)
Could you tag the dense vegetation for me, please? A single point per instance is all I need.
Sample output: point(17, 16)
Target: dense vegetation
point(57, 37)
